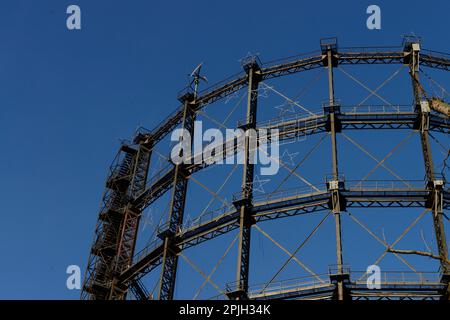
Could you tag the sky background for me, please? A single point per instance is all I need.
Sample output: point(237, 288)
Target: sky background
point(67, 98)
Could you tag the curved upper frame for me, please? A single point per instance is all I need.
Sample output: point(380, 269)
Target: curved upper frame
point(383, 55)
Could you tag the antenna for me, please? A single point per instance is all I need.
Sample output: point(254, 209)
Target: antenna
point(196, 77)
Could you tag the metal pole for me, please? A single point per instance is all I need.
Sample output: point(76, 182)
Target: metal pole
point(434, 184)
point(178, 201)
point(245, 219)
point(132, 216)
point(335, 193)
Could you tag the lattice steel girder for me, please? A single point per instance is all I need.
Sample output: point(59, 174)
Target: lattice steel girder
point(131, 216)
point(220, 91)
point(292, 67)
point(398, 291)
point(139, 178)
point(294, 211)
point(386, 203)
point(169, 270)
point(433, 61)
point(435, 288)
point(411, 297)
point(293, 128)
point(378, 120)
point(439, 124)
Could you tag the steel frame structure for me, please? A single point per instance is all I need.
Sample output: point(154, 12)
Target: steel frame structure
point(113, 267)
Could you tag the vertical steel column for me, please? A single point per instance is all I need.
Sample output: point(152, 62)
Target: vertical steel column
point(245, 219)
point(178, 201)
point(434, 184)
point(131, 219)
point(335, 196)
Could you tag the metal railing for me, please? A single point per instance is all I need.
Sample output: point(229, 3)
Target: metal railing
point(296, 284)
point(303, 117)
point(290, 59)
point(146, 250)
point(294, 118)
point(385, 185)
point(376, 109)
point(159, 174)
point(352, 185)
point(335, 269)
point(288, 194)
point(371, 49)
point(436, 54)
point(398, 278)
point(209, 216)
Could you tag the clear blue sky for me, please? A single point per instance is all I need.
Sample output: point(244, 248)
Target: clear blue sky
point(68, 97)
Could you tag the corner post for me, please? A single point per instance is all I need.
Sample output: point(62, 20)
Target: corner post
point(246, 220)
point(132, 215)
point(434, 183)
point(329, 51)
